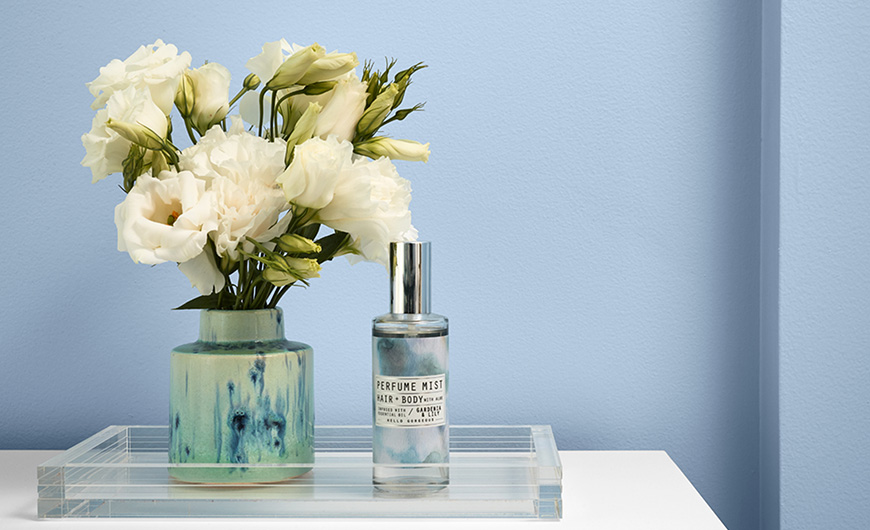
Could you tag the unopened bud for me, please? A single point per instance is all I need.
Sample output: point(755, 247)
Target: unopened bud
point(394, 149)
point(296, 244)
point(283, 271)
point(377, 112)
point(292, 70)
point(251, 82)
point(303, 130)
point(329, 67)
point(184, 97)
point(136, 133)
point(158, 164)
point(316, 89)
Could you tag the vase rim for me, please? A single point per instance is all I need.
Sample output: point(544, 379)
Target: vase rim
point(240, 325)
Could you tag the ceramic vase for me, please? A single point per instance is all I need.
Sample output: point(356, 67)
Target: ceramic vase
point(241, 394)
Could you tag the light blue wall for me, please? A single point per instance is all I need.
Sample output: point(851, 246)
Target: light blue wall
point(824, 279)
point(592, 196)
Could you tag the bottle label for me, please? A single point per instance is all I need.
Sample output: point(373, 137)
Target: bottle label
point(410, 401)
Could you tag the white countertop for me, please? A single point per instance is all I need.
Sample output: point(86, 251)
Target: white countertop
point(601, 490)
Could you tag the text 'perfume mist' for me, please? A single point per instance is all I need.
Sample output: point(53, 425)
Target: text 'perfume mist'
point(410, 445)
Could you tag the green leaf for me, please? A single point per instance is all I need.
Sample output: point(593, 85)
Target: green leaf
point(331, 245)
point(367, 71)
point(409, 72)
point(209, 301)
point(403, 79)
point(403, 113)
point(386, 75)
point(373, 88)
point(310, 231)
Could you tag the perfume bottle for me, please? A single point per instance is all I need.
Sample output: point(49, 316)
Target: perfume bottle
point(410, 445)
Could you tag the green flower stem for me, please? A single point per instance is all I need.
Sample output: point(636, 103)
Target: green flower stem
point(289, 95)
point(278, 294)
point(241, 93)
point(250, 280)
point(228, 283)
point(262, 95)
point(248, 285)
point(243, 265)
point(189, 131)
point(274, 125)
point(172, 149)
point(251, 296)
point(265, 290)
point(300, 219)
point(248, 298)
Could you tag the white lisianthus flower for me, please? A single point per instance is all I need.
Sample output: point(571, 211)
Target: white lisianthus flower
point(241, 171)
point(247, 210)
point(157, 67)
point(235, 154)
point(105, 148)
point(365, 198)
point(211, 100)
point(370, 202)
point(166, 218)
point(343, 109)
point(203, 273)
point(311, 178)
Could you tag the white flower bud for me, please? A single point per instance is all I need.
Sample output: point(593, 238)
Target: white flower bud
point(211, 84)
point(377, 112)
point(184, 96)
point(303, 130)
point(138, 134)
point(393, 149)
point(329, 67)
point(282, 271)
point(292, 70)
point(294, 243)
point(344, 109)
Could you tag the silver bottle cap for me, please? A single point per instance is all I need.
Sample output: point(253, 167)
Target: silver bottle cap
point(409, 277)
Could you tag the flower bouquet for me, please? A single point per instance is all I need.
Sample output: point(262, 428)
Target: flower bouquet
point(241, 209)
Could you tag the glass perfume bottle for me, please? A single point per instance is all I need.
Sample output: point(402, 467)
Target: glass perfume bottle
point(410, 445)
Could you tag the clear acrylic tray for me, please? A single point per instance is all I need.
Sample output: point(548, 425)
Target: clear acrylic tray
point(123, 471)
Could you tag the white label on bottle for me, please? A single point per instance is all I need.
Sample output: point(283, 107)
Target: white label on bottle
point(410, 401)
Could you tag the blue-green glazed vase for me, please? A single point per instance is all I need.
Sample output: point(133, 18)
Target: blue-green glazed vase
point(241, 394)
